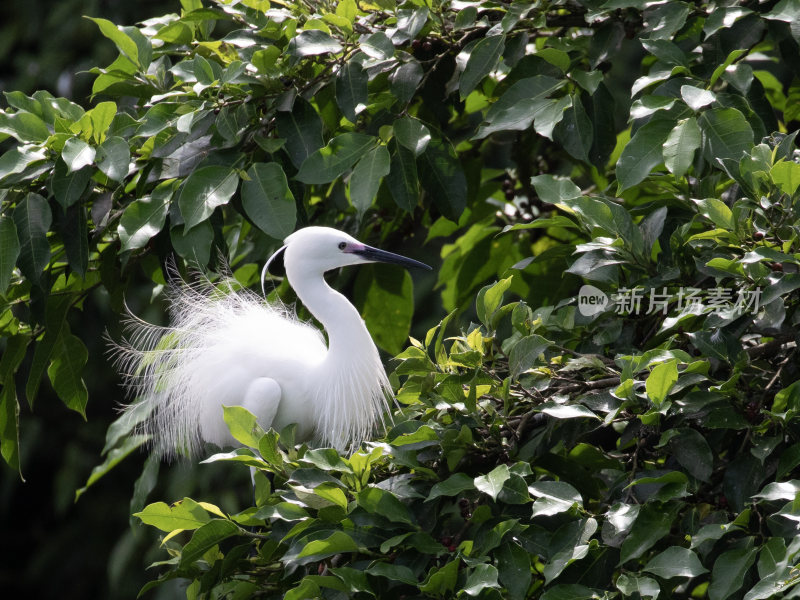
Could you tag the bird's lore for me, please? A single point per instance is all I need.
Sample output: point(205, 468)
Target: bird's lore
point(230, 347)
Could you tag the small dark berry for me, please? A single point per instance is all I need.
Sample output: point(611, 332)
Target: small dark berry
point(508, 183)
point(776, 266)
point(416, 44)
point(758, 236)
point(427, 46)
point(452, 547)
point(510, 195)
point(463, 503)
point(447, 540)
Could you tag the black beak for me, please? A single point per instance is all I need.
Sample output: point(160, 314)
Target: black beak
point(375, 255)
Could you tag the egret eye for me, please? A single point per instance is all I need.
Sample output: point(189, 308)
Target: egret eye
point(342, 245)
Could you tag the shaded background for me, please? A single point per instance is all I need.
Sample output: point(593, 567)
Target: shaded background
point(54, 547)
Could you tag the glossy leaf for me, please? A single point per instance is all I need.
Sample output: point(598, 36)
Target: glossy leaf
point(145, 218)
point(493, 481)
point(302, 130)
point(9, 251)
point(351, 90)
point(412, 134)
point(77, 154)
point(727, 134)
point(268, 201)
point(366, 177)
point(643, 153)
point(482, 60)
point(339, 155)
point(204, 190)
point(675, 561)
point(680, 146)
point(32, 217)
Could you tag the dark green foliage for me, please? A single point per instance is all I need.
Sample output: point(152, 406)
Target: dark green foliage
point(636, 437)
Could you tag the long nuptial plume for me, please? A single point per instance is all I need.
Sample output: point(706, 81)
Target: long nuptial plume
point(227, 346)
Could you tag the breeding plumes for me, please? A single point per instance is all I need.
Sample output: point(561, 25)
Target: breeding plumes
point(228, 347)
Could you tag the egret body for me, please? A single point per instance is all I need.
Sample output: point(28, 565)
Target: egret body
point(225, 349)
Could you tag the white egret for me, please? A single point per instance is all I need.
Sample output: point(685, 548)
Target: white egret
point(235, 348)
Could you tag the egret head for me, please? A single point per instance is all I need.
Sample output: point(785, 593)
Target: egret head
point(320, 249)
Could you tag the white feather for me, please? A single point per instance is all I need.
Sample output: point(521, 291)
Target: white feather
point(222, 339)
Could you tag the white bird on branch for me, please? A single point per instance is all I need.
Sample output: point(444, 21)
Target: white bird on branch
point(234, 348)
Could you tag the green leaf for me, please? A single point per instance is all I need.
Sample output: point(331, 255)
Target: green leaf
point(367, 176)
point(552, 189)
point(729, 570)
point(489, 299)
point(514, 569)
point(441, 581)
point(574, 131)
point(643, 153)
point(696, 97)
point(123, 42)
point(386, 504)
point(553, 497)
point(665, 20)
point(55, 314)
point(483, 576)
point(452, 486)
point(351, 90)
point(569, 591)
point(68, 360)
point(186, 514)
point(402, 180)
point(25, 126)
point(144, 218)
point(77, 154)
point(652, 523)
point(680, 146)
point(341, 153)
point(631, 585)
point(74, 233)
point(336, 543)
point(675, 561)
point(307, 588)
point(113, 158)
point(392, 572)
point(443, 179)
point(482, 60)
point(9, 423)
point(387, 297)
point(302, 130)
point(727, 134)
point(268, 201)
point(525, 353)
point(33, 218)
point(412, 134)
point(207, 536)
point(204, 190)
point(409, 23)
point(786, 175)
point(692, 451)
point(243, 425)
point(660, 381)
point(194, 245)
point(68, 187)
point(492, 482)
point(100, 118)
point(405, 79)
point(523, 103)
point(716, 211)
point(9, 251)
point(313, 42)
